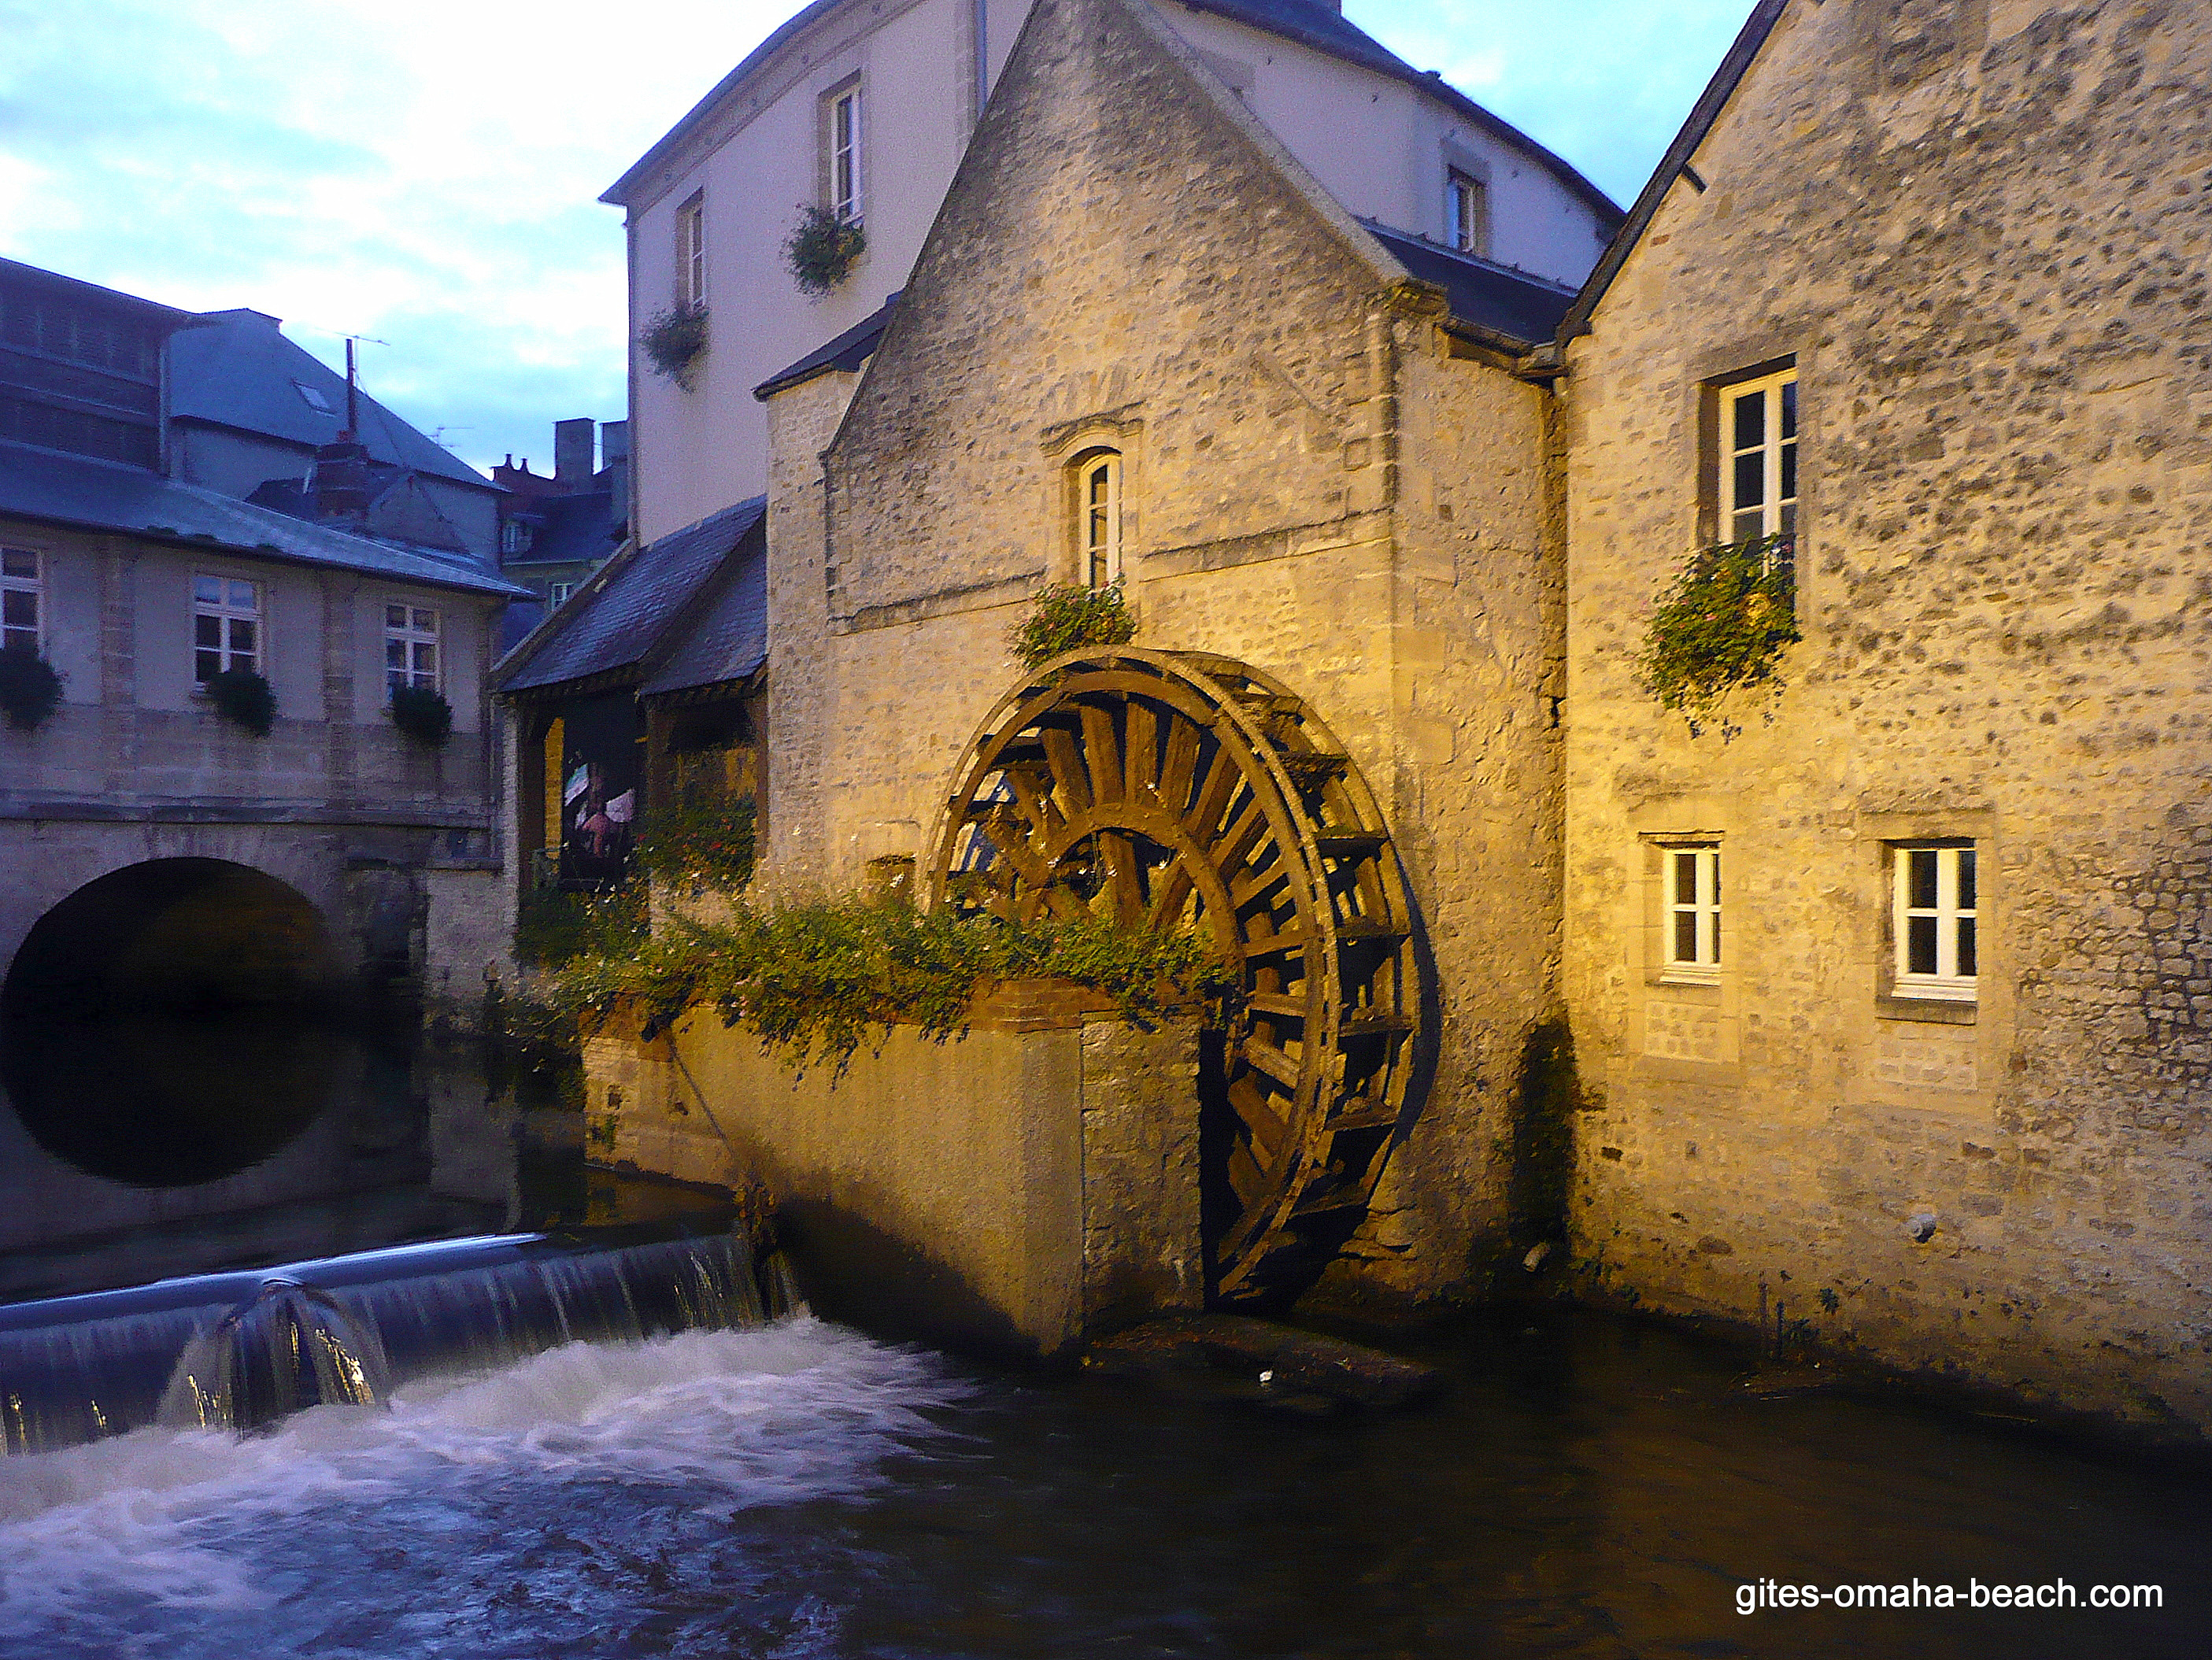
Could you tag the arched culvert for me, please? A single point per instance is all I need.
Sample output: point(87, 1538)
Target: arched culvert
point(161, 1026)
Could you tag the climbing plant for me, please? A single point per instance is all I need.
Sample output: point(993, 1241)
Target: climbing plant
point(674, 341)
point(708, 841)
point(245, 699)
point(1721, 627)
point(30, 689)
point(1066, 618)
point(821, 249)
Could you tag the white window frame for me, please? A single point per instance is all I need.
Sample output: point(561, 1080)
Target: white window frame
point(1098, 519)
point(1465, 212)
point(1774, 455)
point(411, 635)
point(227, 611)
point(691, 251)
point(848, 177)
point(19, 581)
point(558, 593)
point(1954, 918)
point(1699, 906)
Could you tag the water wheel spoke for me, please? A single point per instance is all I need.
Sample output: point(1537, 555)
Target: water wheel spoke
point(1222, 779)
point(1179, 767)
point(1101, 756)
point(1277, 1064)
point(1124, 879)
point(1259, 1116)
point(1070, 779)
point(1140, 746)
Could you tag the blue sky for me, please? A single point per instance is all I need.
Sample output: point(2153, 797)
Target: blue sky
point(425, 172)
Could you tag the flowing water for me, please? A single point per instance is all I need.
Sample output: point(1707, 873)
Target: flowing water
point(534, 1465)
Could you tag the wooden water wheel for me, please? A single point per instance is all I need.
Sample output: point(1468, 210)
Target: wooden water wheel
point(1173, 790)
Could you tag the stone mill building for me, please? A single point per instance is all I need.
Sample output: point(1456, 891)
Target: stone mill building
point(1865, 1012)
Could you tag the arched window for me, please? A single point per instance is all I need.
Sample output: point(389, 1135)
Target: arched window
point(1098, 518)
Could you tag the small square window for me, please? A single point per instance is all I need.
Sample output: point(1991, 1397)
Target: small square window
point(1936, 920)
point(1692, 912)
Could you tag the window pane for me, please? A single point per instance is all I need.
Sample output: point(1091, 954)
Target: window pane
point(426, 621)
point(1920, 945)
point(1750, 479)
point(241, 596)
point(241, 634)
point(1921, 884)
point(1789, 408)
point(18, 561)
point(1716, 937)
point(425, 660)
point(207, 631)
point(1788, 519)
point(1751, 421)
point(395, 653)
point(1966, 945)
point(206, 664)
point(19, 608)
point(1788, 471)
point(1685, 877)
point(395, 617)
point(1965, 879)
point(208, 590)
point(1685, 936)
point(1747, 525)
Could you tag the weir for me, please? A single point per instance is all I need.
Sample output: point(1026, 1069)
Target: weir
point(236, 1351)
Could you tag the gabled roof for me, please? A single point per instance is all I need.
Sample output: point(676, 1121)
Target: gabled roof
point(633, 613)
point(83, 494)
point(236, 369)
point(1702, 114)
point(848, 352)
point(1517, 308)
point(1320, 26)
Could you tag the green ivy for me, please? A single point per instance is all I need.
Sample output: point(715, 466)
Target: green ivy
point(674, 340)
point(821, 249)
point(1066, 618)
point(816, 981)
point(708, 842)
point(555, 928)
point(1721, 627)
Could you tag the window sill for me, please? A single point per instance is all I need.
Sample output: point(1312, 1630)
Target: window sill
point(1933, 1011)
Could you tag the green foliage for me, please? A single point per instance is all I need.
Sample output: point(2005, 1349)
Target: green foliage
point(821, 249)
point(245, 699)
point(707, 843)
point(815, 981)
point(674, 340)
point(424, 715)
point(1721, 627)
point(1064, 619)
point(30, 690)
point(555, 928)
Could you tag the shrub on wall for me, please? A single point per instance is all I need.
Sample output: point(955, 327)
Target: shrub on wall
point(555, 928)
point(30, 690)
point(424, 715)
point(707, 843)
point(674, 341)
point(1065, 619)
point(245, 699)
point(821, 249)
point(1721, 627)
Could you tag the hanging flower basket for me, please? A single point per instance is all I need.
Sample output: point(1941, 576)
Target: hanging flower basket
point(675, 341)
point(821, 249)
point(424, 715)
point(245, 699)
point(1063, 618)
point(30, 690)
point(1722, 627)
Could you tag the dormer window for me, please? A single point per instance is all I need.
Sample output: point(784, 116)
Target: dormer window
point(1098, 518)
point(1466, 213)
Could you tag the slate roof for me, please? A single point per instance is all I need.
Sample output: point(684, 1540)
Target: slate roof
point(848, 351)
point(726, 638)
point(1308, 24)
point(235, 368)
point(1702, 114)
point(632, 615)
point(1521, 308)
point(569, 527)
point(84, 494)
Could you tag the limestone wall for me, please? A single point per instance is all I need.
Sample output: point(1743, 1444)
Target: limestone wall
point(1981, 232)
point(1012, 1189)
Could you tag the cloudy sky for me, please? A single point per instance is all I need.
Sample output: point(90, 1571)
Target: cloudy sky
point(427, 172)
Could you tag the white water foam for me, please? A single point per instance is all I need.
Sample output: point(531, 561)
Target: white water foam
point(729, 1420)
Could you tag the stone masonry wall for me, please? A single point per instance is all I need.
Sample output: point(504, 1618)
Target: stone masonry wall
point(1982, 232)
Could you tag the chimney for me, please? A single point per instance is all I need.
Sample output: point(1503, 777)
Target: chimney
point(572, 453)
point(338, 482)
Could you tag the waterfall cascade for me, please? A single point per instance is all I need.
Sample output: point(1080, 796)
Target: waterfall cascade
point(234, 1350)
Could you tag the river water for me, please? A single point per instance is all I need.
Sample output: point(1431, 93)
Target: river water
point(1586, 1488)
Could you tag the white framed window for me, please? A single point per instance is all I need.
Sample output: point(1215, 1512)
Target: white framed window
point(1692, 912)
point(1759, 457)
point(558, 593)
point(691, 251)
point(22, 600)
point(227, 632)
point(411, 647)
point(1934, 906)
point(1098, 518)
point(845, 165)
point(514, 536)
point(1465, 212)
